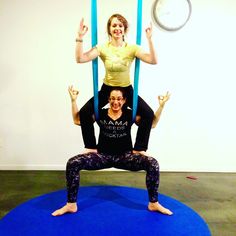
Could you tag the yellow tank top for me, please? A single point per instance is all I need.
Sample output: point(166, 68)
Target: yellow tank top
point(117, 62)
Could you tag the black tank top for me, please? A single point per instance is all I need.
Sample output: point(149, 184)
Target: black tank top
point(114, 135)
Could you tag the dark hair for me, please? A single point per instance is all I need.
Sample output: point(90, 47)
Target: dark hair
point(121, 19)
point(121, 89)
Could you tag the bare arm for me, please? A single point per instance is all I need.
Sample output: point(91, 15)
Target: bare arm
point(162, 100)
point(148, 57)
point(80, 55)
point(74, 108)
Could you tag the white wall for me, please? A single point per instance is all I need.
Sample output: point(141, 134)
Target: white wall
point(196, 64)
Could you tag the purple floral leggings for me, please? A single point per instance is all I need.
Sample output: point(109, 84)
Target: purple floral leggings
point(126, 161)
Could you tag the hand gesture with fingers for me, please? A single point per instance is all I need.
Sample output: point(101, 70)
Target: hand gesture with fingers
point(163, 99)
point(82, 29)
point(73, 93)
point(149, 31)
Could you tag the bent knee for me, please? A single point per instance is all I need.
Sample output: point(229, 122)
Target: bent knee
point(74, 162)
point(83, 112)
point(86, 111)
point(153, 164)
point(148, 115)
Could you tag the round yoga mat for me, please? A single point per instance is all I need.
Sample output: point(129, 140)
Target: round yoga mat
point(103, 210)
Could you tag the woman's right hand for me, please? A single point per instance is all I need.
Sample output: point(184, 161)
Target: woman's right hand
point(163, 99)
point(73, 93)
point(82, 29)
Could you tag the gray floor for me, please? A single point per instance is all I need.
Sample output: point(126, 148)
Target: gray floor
point(212, 195)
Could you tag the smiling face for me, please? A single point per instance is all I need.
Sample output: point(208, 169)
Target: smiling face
point(117, 26)
point(117, 29)
point(116, 100)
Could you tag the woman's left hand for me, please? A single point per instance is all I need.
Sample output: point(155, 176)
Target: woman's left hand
point(149, 31)
point(163, 99)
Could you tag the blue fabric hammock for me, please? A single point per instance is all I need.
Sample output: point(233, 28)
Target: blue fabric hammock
point(95, 61)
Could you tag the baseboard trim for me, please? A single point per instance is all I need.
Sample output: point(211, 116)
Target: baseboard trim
point(63, 168)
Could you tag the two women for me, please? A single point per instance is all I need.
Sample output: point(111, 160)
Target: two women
point(117, 56)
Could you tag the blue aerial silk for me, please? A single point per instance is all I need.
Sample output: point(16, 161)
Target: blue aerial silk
point(95, 61)
point(137, 61)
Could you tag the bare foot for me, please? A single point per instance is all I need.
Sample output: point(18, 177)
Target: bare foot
point(88, 150)
point(155, 206)
point(68, 208)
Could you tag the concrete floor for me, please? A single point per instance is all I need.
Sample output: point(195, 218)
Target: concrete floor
point(212, 195)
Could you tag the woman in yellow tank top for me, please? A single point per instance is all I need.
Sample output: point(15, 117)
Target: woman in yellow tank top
point(117, 56)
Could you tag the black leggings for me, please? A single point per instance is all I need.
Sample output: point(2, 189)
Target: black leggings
point(144, 129)
point(126, 161)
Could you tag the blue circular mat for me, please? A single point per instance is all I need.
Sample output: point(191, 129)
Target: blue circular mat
point(103, 210)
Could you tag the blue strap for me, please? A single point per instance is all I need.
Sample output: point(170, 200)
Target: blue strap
point(137, 61)
point(95, 61)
